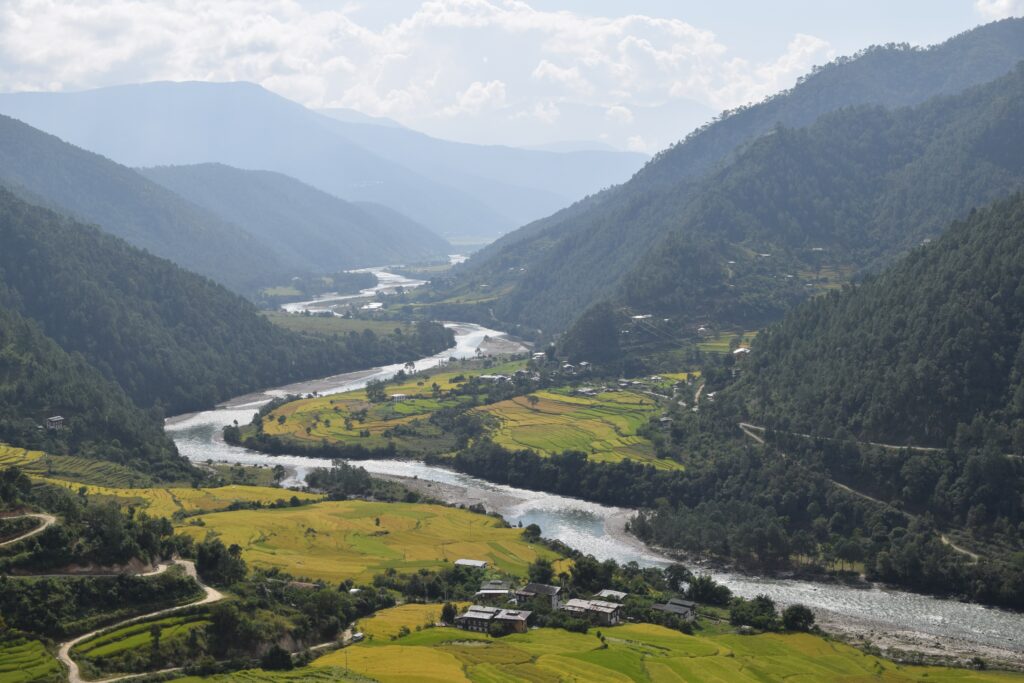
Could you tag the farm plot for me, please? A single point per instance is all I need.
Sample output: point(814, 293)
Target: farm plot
point(115, 644)
point(605, 425)
point(403, 419)
point(164, 502)
point(23, 660)
point(359, 539)
point(636, 652)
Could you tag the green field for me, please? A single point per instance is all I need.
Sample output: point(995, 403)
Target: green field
point(404, 423)
point(23, 660)
point(357, 539)
point(314, 324)
point(137, 637)
point(721, 342)
point(603, 426)
point(636, 652)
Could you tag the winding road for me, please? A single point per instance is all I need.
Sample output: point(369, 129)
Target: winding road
point(64, 653)
point(48, 520)
point(750, 430)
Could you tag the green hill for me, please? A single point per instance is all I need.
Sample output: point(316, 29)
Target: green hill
point(307, 228)
point(168, 337)
point(38, 379)
point(47, 171)
point(545, 274)
point(930, 352)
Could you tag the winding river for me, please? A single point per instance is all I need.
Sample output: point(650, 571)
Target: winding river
point(886, 617)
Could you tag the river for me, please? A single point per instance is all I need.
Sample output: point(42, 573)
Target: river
point(889, 618)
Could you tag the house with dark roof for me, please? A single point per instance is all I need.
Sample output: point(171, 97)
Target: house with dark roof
point(597, 611)
point(479, 618)
point(686, 609)
point(494, 590)
point(532, 591)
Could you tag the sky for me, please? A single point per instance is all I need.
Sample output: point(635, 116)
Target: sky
point(632, 75)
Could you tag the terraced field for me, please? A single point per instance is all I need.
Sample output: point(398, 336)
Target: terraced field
point(636, 652)
point(326, 674)
point(358, 539)
point(23, 660)
point(12, 456)
point(603, 426)
point(137, 637)
point(164, 502)
point(350, 418)
point(388, 622)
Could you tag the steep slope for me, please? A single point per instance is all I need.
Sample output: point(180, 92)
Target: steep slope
point(308, 229)
point(38, 379)
point(452, 189)
point(168, 337)
point(48, 171)
point(854, 189)
point(549, 271)
point(930, 346)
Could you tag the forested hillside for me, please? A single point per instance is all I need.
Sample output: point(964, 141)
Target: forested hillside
point(931, 352)
point(168, 337)
point(544, 275)
point(48, 171)
point(38, 379)
point(307, 228)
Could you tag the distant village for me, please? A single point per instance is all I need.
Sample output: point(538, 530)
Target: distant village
point(501, 606)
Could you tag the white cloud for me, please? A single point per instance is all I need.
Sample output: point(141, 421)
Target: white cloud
point(999, 9)
point(464, 68)
point(478, 97)
point(619, 114)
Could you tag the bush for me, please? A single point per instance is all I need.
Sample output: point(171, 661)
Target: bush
point(276, 659)
point(797, 618)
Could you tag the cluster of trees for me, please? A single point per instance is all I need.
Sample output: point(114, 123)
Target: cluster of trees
point(625, 483)
point(342, 481)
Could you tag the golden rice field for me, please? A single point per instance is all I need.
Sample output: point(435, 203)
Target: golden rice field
point(325, 417)
point(23, 660)
point(603, 426)
point(388, 622)
point(164, 502)
point(357, 539)
point(12, 456)
point(635, 652)
point(325, 674)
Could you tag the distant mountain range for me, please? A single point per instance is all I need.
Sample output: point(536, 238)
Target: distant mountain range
point(245, 229)
point(305, 227)
point(457, 190)
point(752, 183)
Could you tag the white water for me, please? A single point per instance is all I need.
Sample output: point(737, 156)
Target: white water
point(596, 529)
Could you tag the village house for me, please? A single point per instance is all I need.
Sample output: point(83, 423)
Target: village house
point(398, 398)
point(55, 423)
point(533, 591)
point(597, 611)
point(494, 590)
point(609, 594)
point(479, 618)
point(476, 564)
point(686, 609)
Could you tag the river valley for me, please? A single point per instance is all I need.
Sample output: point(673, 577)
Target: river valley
point(887, 618)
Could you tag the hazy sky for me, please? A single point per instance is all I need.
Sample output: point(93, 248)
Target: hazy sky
point(635, 74)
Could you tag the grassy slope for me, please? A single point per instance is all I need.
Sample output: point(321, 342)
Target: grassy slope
point(603, 426)
point(341, 540)
point(635, 652)
point(138, 637)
